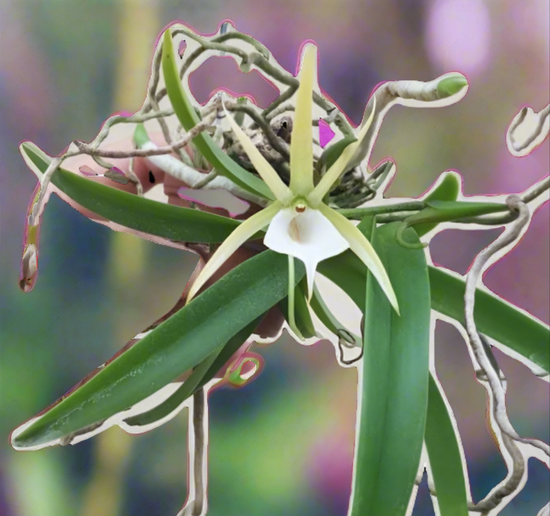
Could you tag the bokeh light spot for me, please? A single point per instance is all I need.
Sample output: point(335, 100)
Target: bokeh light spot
point(458, 35)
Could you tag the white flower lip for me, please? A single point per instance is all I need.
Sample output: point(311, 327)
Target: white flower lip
point(308, 236)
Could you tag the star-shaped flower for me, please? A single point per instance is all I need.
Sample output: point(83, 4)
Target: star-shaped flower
point(301, 225)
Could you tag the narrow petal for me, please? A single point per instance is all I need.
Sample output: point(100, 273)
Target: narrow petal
point(262, 166)
point(308, 236)
point(245, 230)
point(363, 249)
point(301, 143)
point(338, 168)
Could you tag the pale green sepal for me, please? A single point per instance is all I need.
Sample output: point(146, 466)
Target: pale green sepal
point(363, 249)
point(339, 167)
point(246, 229)
point(262, 166)
point(301, 144)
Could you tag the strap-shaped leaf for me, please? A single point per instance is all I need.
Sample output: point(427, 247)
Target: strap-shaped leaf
point(200, 376)
point(151, 217)
point(177, 345)
point(188, 119)
point(444, 455)
point(394, 382)
point(494, 317)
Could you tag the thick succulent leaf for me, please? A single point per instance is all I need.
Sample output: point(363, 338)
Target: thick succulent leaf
point(446, 466)
point(445, 190)
point(201, 375)
point(494, 317)
point(393, 382)
point(459, 209)
point(134, 212)
point(177, 345)
point(188, 119)
point(141, 137)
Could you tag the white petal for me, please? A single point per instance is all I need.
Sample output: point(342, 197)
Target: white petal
point(308, 236)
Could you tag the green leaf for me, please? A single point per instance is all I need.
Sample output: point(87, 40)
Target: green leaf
point(134, 212)
point(200, 376)
point(176, 345)
point(442, 443)
point(447, 190)
point(394, 382)
point(494, 317)
point(443, 211)
point(188, 119)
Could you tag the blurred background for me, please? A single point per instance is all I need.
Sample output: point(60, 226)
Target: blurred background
point(282, 445)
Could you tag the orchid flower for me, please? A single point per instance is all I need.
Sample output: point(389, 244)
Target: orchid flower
point(301, 225)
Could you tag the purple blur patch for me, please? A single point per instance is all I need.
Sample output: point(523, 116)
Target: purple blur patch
point(326, 134)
